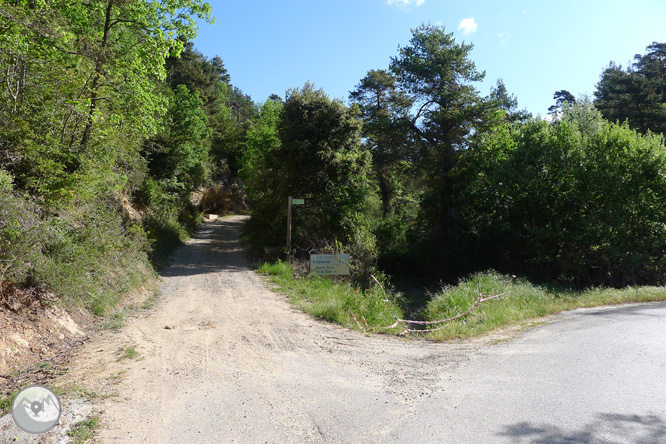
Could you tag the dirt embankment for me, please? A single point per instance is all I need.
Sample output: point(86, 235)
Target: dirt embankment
point(34, 332)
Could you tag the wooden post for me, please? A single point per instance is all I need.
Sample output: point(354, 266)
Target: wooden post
point(288, 224)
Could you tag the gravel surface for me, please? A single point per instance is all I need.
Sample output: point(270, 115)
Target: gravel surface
point(222, 359)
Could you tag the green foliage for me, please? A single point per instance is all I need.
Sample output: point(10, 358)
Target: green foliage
point(180, 159)
point(522, 303)
point(128, 352)
point(230, 135)
point(261, 139)
point(80, 95)
point(562, 98)
point(318, 158)
point(332, 301)
point(447, 114)
point(87, 256)
point(6, 181)
point(637, 94)
point(281, 270)
point(83, 431)
point(579, 201)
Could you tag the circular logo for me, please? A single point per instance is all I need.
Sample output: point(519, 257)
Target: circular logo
point(36, 409)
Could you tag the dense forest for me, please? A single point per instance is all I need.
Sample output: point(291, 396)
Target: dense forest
point(110, 120)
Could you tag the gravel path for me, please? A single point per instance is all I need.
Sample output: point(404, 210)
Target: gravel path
point(223, 359)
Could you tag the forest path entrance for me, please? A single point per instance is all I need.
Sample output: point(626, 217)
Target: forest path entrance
point(222, 358)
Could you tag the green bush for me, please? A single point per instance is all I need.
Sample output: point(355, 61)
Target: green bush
point(578, 201)
point(88, 256)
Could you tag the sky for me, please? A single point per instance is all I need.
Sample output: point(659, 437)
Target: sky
point(536, 47)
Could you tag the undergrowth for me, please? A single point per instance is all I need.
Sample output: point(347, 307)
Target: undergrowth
point(335, 300)
point(521, 301)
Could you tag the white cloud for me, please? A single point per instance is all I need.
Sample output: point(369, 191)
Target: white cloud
point(468, 26)
point(405, 3)
point(504, 36)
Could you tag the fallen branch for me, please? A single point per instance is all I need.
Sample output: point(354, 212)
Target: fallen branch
point(404, 322)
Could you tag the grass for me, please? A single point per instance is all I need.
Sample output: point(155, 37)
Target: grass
point(128, 352)
point(6, 402)
point(116, 320)
point(116, 377)
point(332, 300)
point(523, 302)
point(83, 431)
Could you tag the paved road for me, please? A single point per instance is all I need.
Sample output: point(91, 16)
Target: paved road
point(222, 359)
point(594, 376)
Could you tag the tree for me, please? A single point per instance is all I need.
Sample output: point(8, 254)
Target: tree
point(500, 97)
point(180, 161)
point(261, 140)
point(319, 158)
point(448, 113)
point(385, 112)
point(229, 140)
point(636, 94)
point(86, 94)
point(578, 201)
point(562, 98)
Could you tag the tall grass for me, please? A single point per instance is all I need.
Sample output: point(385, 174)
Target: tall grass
point(524, 301)
point(334, 301)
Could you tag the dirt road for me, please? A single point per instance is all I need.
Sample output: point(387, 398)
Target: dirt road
point(222, 359)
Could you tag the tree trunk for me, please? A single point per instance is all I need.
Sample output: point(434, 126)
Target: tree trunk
point(94, 87)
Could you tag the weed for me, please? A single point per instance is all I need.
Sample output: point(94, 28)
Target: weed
point(116, 377)
point(334, 301)
point(520, 306)
point(83, 431)
point(126, 353)
point(6, 402)
point(79, 391)
point(115, 322)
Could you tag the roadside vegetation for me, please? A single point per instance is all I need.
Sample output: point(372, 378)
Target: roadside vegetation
point(423, 177)
point(376, 308)
point(104, 146)
point(103, 143)
point(334, 301)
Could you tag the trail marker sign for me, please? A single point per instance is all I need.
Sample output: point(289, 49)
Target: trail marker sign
point(297, 201)
point(329, 264)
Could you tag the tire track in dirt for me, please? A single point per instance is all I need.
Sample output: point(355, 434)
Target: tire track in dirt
point(237, 363)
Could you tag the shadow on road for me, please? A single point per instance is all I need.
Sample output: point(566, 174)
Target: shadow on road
point(215, 247)
point(606, 429)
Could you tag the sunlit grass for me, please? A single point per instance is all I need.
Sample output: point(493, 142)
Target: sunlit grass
point(334, 301)
point(522, 301)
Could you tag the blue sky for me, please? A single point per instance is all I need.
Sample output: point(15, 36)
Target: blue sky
point(269, 46)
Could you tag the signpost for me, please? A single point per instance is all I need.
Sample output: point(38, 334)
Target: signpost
point(291, 201)
point(329, 264)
